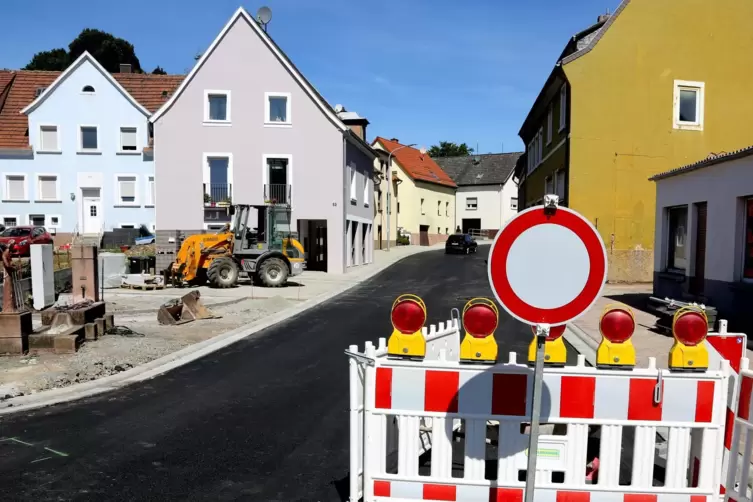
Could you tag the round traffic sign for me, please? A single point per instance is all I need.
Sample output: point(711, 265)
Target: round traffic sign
point(547, 267)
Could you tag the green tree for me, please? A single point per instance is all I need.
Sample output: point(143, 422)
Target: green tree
point(159, 71)
point(107, 49)
point(54, 60)
point(450, 149)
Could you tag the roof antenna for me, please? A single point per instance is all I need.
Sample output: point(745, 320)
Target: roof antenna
point(264, 16)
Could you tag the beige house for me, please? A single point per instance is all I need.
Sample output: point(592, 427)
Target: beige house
point(422, 197)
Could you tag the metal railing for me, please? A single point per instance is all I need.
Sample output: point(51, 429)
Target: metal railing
point(278, 194)
point(218, 194)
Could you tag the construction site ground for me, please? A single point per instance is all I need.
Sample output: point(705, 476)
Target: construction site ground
point(141, 338)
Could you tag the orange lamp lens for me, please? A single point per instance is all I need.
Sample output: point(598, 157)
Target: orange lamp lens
point(480, 321)
point(408, 317)
point(617, 325)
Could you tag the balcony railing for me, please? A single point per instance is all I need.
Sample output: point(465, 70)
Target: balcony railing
point(218, 194)
point(278, 194)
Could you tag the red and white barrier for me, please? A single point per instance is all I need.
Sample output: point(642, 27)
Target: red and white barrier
point(739, 468)
point(409, 407)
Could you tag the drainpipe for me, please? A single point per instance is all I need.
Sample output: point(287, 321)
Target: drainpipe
point(346, 186)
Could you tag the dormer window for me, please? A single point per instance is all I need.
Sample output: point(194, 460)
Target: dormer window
point(88, 89)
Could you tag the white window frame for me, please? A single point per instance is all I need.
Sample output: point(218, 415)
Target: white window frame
point(153, 227)
point(366, 186)
point(206, 175)
point(28, 219)
point(560, 173)
point(514, 203)
point(118, 201)
point(148, 198)
point(422, 207)
point(288, 109)
point(228, 107)
point(447, 208)
point(57, 140)
point(549, 180)
point(5, 188)
point(550, 124)
point(119, 141)
point(439, 208)
point(88, 151)
point(38, 197)
point(48, 221)
point(265, 167)
point(468, 202)
point(699, 88)
point(353, 184)
point(88, 93)
point(563, 107)
point(540, 149)
point(16, 216)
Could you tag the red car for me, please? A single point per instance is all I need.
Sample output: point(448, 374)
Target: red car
point(20, 239)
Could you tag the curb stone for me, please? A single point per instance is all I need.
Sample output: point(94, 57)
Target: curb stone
point(581, 342)
point(179, 358)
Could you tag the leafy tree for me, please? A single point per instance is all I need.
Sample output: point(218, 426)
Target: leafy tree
point(159, 71)
point(109, 50)
point(450, 149)
point(54, 60)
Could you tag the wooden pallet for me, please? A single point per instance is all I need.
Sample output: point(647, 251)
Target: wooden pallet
point(143, 287)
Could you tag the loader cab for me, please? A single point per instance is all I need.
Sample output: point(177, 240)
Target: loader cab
point(259, 228)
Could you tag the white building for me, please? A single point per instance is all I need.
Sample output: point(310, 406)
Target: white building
point(704, 235)
point(487, 195)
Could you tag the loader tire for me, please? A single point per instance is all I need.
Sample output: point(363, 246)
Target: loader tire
point(273, 273)
point(223, 273)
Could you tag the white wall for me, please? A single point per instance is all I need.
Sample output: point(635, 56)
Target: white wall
point(494, 204)
point(723, 187)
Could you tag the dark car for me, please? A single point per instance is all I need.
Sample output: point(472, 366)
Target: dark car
point(460, 243)
point(20, 239)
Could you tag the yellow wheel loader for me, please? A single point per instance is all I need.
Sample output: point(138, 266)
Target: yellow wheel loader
point(269, 253)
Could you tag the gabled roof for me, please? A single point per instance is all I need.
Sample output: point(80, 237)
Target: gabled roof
point(712, 159)
point(418, 167)
point(588, 42)
point(72, 68)
point(281, 56)
point(485, 169)
point(149, 90)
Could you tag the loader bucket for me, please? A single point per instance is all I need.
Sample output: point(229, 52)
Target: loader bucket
point(186, 309)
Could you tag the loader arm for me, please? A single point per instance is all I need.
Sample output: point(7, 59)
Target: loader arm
point(197, 252)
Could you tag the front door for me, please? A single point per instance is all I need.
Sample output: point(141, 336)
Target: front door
point(92, 210)
point(423, 235)
point(317, 245)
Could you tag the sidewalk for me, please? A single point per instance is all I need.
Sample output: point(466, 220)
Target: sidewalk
point(648, 341)
point(146, 347)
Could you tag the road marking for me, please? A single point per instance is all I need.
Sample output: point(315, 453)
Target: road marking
point(56, 452)
point(40, 459)
point(16, 440)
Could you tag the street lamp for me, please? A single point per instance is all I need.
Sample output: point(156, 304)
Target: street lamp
point(389, 189)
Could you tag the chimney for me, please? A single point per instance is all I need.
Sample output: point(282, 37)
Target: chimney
point(395, 140)
point(603, 18)
point(125, 68)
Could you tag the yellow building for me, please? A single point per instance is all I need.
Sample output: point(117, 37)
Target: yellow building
point(655, 85)
point(422, 197)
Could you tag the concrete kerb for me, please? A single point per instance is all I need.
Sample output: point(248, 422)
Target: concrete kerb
point(176, 359)
point(581, 342)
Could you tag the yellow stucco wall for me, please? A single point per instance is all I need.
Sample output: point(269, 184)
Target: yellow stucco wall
point(622, 113)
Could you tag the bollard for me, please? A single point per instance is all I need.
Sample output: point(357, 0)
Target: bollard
point(90, 331)
point(100, 326)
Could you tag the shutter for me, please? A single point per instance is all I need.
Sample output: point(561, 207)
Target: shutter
point(49, 139)
point(16, 187)
point(128, 139)
point(47, 187)
point(561, 185)
point(151, 190)
point(127, 188)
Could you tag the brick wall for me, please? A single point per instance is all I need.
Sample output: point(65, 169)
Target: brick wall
point(415, 238)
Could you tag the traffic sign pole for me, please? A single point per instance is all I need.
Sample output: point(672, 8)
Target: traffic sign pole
point(542, 331)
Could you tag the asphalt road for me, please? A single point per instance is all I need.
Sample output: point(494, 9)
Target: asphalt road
point(265, 419)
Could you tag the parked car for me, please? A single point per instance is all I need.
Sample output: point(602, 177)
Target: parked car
point(460, 243)
point(20, 239)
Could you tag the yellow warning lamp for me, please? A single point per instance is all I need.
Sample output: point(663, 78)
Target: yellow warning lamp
point(408, 317)
point(616, 351)
point(480, 320)
point(555, 352)
point(689, 353)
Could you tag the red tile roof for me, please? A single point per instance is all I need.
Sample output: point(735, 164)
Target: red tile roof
point(419, 167)
point(149, 90)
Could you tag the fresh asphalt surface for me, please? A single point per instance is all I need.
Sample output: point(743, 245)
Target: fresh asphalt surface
point(265, 419)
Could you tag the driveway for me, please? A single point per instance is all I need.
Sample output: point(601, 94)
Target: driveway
point(265, 419)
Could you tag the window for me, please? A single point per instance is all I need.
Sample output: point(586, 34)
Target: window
point(217, 107)
point(126, 190)
point(128, 139)
point(447, 231)
point(550, 124)
point(748, 243)
point(677, 254)
point(447, 209)
point(548, 185)
point(54, 221)
point(422, 207)
point(88, 136)
point(48, 139)
point(88, 89)
point(439, 209)
point(688, 105)
point(353, 186)
point(439, 230)
point(514, 203)
point(15, 187)
point(563, 107)
point(277, 108)
point(127, 225)
point(398, 208)
point(150, 191)
point(36, 220)
point(471, 203)
point(366, 186)
point(10, 221)
point(559, 184)
point(540, 149)
point(47, 187)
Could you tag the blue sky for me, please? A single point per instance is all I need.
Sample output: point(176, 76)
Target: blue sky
point(420, 70)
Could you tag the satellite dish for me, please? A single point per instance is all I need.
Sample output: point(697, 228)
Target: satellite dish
point(264, 15)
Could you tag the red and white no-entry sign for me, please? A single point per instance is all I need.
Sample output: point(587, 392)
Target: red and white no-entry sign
point(547, 266)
